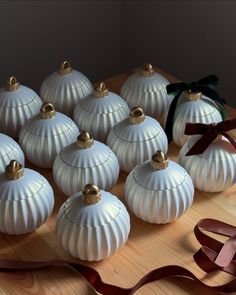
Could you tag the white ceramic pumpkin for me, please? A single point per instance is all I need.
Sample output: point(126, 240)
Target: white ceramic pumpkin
point(193, 108)
point(26, 200)
point(159, 190)
point(18, 103)
point(136, 139)
point(64, 88)
point(147, 88)
point(93, 224)
point(214, 169)
point(85, 161)
point(100, 111)
point(44, 136)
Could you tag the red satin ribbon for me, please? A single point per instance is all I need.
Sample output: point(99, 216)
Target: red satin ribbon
point(209, 132)
point(212, 256)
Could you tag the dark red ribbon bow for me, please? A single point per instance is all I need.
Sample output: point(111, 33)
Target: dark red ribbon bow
point(209, 133)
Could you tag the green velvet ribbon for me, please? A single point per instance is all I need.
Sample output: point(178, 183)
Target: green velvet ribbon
point(205, 86)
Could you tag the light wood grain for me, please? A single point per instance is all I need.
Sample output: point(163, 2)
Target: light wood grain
point(149, 246)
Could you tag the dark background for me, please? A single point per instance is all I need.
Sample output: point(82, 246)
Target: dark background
point(189, 39)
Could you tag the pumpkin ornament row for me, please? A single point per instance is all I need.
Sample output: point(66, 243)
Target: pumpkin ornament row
point(93, 224)
point(103, 109)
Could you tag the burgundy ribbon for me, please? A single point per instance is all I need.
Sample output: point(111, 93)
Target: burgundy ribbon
point(212, 256)
point(209, 133)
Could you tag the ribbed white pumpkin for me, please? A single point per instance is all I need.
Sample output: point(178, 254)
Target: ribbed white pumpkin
point(26, 200)
point(85, 161)
point(92, 224)
point(65, 88)
point(215, 169)
point(136, 139)
point(158, 193)
point(9, 150)
point(147, 89)
point(18, 103)
point(44, 136)
point(100, 111)
point(193, 108)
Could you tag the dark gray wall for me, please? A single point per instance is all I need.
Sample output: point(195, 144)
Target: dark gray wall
point(37, 35)
point(189, 39)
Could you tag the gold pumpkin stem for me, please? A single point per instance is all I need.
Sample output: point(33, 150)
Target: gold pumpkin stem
point(14, 170)
point(12, 84)
point(136, 116)
point(84, 140)
point(47, 110)
point(65, 68)
point(193, 96)
point(91, 194)
point(159, 160)
point(147, 70)
point(100, 90)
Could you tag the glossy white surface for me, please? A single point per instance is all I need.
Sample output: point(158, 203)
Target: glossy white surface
point(200, 111)
point(149, 93)
point(16, 107)
point(135, 143)
point(25, 203)
point(9, 150)
point(93, 232)
point(74, 167)
point(214, 169)
point(42, 139)
point(65, 91)
point(159, 196)
point(99, 115)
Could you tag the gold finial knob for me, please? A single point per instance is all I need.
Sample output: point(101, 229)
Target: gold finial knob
point(136, 115)
point(14, 170)
point(84, 140)
point(47, 110)
point(12, 84)
point(91, 194)
point(100, 90)
point(193, 96)
point(65, 68)
point(147, 70)
point(159, 160)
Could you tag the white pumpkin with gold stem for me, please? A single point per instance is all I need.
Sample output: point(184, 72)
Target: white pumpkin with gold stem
point(159, 190)
point(18, 103)
point(65, 87)
point(26, 199)
point(92, 224)
point(45, 134)
point(85, 161)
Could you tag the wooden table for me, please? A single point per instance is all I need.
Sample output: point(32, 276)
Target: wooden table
point(149, 246)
